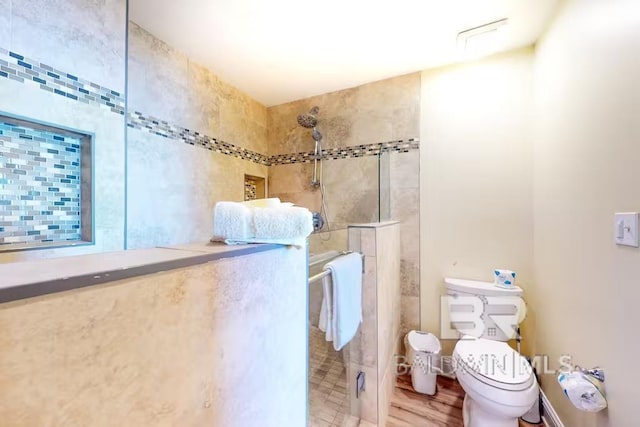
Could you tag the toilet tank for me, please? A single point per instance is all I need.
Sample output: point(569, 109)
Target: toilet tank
point(483, 310)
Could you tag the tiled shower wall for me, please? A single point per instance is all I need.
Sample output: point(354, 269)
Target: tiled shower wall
point(356, 124)
point(59, 60)
point(191, 140)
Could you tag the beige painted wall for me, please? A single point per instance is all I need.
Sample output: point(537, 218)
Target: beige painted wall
point(476, 184)
point(586, 168)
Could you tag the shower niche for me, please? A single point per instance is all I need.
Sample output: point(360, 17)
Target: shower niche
point(254, 187)
point(46, 194)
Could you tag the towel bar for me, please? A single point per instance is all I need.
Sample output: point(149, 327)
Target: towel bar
point(325, 273)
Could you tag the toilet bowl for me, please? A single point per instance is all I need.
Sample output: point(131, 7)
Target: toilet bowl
point(499, 383)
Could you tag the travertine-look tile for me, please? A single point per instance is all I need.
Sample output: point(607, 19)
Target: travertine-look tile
point(5, 22)
point(388, 293)
point(328, 241)
point(364, 346)
point(187, 181)
point(163, 350)
point(368, 242)
point(374, 347)
point(359, 190)
point(87, 38)
point(405, 207)
point(175, 204)
point(375, 112)
point(410, 311)
point(166, 84)
point(404, 169)
point(293, 178)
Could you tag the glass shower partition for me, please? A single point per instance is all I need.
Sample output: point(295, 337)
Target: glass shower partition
point(356, 191)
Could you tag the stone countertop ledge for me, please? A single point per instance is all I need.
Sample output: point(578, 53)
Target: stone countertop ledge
point(29, 279)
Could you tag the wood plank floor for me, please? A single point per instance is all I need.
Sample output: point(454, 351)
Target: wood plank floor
point(412, 409)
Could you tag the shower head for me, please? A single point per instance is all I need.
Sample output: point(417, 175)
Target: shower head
point(309, 120)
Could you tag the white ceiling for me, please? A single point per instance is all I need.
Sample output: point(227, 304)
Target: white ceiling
point(283, 50)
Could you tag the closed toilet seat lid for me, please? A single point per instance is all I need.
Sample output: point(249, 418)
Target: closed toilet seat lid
point(493, 363)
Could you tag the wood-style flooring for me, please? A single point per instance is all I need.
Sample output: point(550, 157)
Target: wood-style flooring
point(412, 409)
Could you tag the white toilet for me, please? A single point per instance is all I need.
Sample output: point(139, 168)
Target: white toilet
point(499, 383)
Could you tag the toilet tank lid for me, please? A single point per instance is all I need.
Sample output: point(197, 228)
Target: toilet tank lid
point(482, 288)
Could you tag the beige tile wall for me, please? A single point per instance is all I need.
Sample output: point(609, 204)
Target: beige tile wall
point(172, 186)
point(376, 112)
point(375, 345)
point(5, 20)
point(167, 84)
point(184, 347)
point(88, 40)
point(404, 182)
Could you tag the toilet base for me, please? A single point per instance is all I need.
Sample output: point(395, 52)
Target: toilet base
point(475, 416)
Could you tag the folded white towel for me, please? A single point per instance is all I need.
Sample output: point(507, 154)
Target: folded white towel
point(240, 223)
point(298, 242)
point(341, 311)
point(233, 220)
point(273, 202)
point(282, 223)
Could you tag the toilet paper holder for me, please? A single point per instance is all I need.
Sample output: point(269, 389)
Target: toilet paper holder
point(584, 388)
point(597, 373)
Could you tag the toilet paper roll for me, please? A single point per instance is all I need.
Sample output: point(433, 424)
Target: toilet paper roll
point(504, 278)
point(585, 392)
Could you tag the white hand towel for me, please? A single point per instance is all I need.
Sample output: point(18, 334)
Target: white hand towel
point(345, 299)
point(282, 223)
point(232, 220)
point(325, 323)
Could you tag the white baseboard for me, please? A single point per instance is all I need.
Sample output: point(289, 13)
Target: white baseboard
point(550, 417)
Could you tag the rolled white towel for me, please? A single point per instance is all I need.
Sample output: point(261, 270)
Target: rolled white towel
point(232, 220)
point(282, 223)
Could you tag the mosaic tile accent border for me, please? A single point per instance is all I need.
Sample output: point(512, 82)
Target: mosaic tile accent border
point(401, 146)
point(155, 126)
point(40, 186)
point(17, 67)
point(137, 120)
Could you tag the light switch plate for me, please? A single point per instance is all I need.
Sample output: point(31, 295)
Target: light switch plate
point(625, 229)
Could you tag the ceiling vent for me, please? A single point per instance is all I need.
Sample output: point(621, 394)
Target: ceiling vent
point(483, 40)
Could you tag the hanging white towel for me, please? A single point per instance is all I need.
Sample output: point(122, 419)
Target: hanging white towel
point(341, 311)
point(326, 309)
